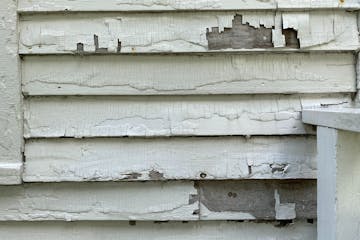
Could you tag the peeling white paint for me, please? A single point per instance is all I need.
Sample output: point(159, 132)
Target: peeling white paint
point(170, 116)
point(109, 230)
point(175, 158)
point(188, 75)
point(184, 32)
point(173, 5)
point(98, 201)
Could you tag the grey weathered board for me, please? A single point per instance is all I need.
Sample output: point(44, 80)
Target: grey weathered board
point(284, 199)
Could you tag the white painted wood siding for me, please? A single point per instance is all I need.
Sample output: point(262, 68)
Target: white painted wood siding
point(170, 116)
point(211, 230)
point(141, 159)
point(183, 32)
point(166, 110)
point(26, 6)
point(188, 74)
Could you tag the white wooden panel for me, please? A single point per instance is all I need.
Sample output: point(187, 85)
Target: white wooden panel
point(173, 5)
point(175, 158)
point(10, 97)
point(169, 116)
point(167, 74)
point(210, 230)
point(183, 32)
point(105, 201)
point(346, 118)
point(140, 5)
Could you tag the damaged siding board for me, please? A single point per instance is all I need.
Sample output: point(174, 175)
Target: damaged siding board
point(10, 97)
point(255, 199)
point(211, 230)
point(175, 75)
point(99, 201)
point(170, 116)
point(29, 6)
point(134, 159)
point(184, 32)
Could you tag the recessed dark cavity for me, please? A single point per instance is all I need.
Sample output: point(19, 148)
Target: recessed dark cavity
point(291, 38)
point(96, 43)
point(80, 47)
point(239, 36)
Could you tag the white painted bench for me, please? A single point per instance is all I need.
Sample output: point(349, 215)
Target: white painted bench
point(338, 140)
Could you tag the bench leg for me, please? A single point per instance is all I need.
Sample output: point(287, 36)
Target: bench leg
point(338, 190)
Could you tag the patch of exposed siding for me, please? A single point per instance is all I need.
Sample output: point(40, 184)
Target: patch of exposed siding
point(175, 75)
point(184, 32)
point(257, 200)
point(170, 116)
point(53, 160)
point(174, 5)
point(10, 97)
point(211, 230)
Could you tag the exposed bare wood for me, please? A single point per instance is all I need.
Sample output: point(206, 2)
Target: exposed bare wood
point(258, 199)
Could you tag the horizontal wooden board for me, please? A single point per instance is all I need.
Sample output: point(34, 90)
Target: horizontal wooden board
point(170, 116)
point(105, 201)
point(251, 199)
point(176, 74)
point(174, 5)
point(11, 173)
point(110, 230)
point(159, 201)
point(183, 32)
point(54, 160)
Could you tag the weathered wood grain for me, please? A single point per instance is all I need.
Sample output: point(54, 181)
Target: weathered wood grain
point(170, 116)
point(155, 201)
point(26, 6)
point(167, 74)
point(10, 97)
point(184, 32)
point(249, 199)
point(109, 230)
point(54, 160)
point(105, 201)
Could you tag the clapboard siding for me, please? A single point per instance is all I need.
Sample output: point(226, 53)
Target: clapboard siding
point(133, 159)
point(154, 200)
point(249, 199)
point(105, 201)
point(170, 116)
point(26, 6)
point(181, 32)
point(210, 230)
point(188, 74)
